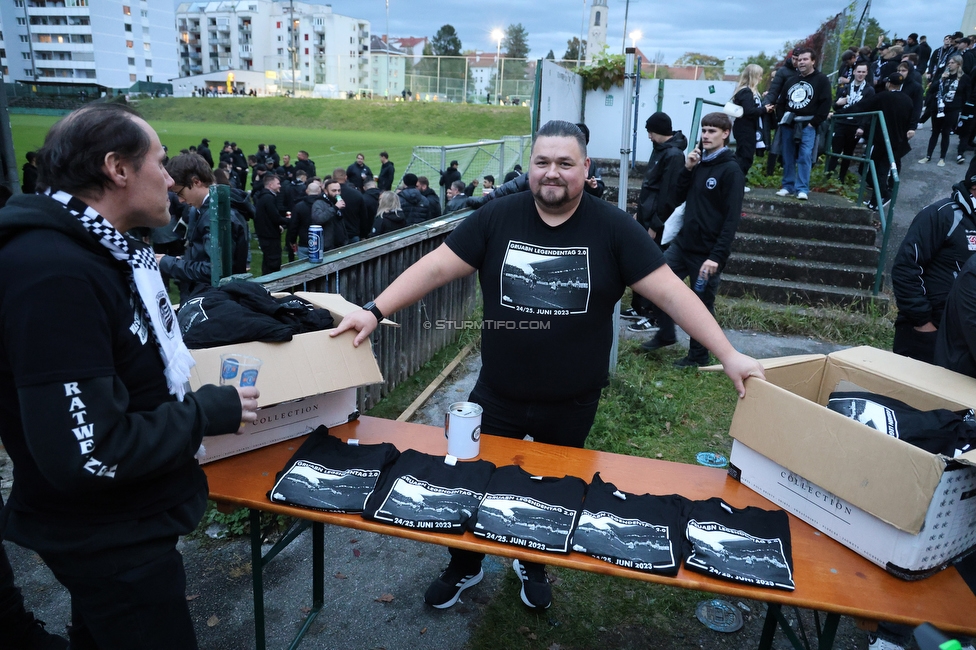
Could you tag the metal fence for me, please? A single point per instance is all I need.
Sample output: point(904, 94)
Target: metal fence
point(361, 271)
point(475, 160)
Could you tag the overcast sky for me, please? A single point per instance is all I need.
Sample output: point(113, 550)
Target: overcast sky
point(722, 28)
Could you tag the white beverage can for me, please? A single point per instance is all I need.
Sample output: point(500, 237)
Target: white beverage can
point(462, 428)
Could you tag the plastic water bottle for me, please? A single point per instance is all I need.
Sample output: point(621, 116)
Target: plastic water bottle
point(700, 283)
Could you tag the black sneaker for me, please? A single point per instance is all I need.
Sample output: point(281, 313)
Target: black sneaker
point(688, 362)
point(642, 326)
point(656, 344)
point(446, 589)
point(536, 590)
point(960, 159)
point(629, 314)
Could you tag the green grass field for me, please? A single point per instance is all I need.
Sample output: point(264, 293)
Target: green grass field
point(332, 131)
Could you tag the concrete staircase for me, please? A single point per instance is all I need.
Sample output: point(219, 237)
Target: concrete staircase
point(817, 253)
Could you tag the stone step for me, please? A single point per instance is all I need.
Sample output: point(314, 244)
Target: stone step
point(796, 293)
point(748, 243)
point(801, 271)
point(823, 207)
point(857, 235)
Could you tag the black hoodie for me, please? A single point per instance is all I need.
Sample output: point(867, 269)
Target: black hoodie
point(388, 222)
point(656, 201)
point(103, 454)
point(713, 194)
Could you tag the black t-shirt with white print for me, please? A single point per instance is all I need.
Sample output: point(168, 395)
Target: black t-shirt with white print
point(537, 512)
point(748, 545)
point(423, 492)
point(643, 532)
point(329, 474)
point(549, 292)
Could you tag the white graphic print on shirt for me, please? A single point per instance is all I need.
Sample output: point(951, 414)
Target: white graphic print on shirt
point(545, 281)
point(736, 555)
point(801, 94)
point(415, 503)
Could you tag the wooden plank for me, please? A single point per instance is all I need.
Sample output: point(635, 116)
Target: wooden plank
point(434, 385)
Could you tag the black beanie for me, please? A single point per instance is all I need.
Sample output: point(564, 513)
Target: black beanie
point(659, 123)
point(410, 180)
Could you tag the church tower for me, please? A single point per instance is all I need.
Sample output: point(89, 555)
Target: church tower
point(968, 21)
point(596, 36)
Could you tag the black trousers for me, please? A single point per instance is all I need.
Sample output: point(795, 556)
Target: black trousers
point(272, 255)
point(845, 141)
point(942, 126)
point(687, 265)
point(909, 342)
point(140, 609)
point(566, 422)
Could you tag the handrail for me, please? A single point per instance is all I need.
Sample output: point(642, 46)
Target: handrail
point(885, 214)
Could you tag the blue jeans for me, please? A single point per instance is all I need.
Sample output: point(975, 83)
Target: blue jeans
point(797, 164)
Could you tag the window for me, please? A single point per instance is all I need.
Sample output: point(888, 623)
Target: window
point(128, 27)
point(128, 44)
point(306, 37)
point(147, 46)
point(132, 77)
point(281, 51)
point(28, 72)
point(132, 60)
point(18, 3)
point(278, 25)
point(21, 20)
point(148, 63)
point(144, 13)
point(306, 51)
point(127, 12)
point(24, 39)
point(25, 55)
point(596, 20)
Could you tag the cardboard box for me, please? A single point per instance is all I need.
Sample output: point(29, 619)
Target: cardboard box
point(306, 382)
point(903, 508)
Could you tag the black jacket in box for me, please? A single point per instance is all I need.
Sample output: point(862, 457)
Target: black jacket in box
point(749, 545)
point(422, 491)
point(328, 474)
point(642, 532)
point(537, 512)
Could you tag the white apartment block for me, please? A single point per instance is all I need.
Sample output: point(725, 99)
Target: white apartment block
point(323, 48)
point(107, 43)
point(389, 69)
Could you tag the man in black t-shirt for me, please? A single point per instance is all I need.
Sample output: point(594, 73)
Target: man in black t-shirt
point(553, 262)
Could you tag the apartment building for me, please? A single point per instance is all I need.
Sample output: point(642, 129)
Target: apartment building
point(301, 45)
point(108, 44)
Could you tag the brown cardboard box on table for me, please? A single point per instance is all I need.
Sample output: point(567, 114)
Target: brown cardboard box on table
point(306, 382)
point(901, 507)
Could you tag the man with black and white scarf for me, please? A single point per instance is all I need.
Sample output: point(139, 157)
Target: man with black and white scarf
point(96, 416)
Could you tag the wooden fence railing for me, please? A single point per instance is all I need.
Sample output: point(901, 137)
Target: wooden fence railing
point(360, 271)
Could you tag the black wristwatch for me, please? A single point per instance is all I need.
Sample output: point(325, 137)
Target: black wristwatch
point(371, 307)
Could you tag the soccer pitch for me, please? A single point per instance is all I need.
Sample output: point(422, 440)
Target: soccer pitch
point(328, 149)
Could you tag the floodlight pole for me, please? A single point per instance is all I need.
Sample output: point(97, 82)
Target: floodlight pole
point(387, 49)
point(498, 67)
point(294, 46)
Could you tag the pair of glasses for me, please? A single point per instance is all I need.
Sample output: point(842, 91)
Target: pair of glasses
point(180, 193)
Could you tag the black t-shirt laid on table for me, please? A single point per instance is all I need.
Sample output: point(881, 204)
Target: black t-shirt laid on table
point(749, 545)
point(328, 474)
point(422, 491)
point(939, 431)
point(549, 292)
point(537, 512)
point(643, 532)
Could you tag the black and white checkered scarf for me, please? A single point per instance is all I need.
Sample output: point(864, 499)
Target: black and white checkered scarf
point(146, 283)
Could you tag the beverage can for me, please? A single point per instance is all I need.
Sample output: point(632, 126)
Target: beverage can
point(462, 428)
point(315, 244)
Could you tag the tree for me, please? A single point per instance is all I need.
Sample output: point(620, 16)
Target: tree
point(768, 63)
point(446, 42)
point(573, 50)
point(551, 56)
point(516, 42)
point(714, 67)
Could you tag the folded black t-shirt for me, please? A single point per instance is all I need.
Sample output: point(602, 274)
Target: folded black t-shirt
point(749, 545)
point(939, 431)
point(537, 512)
point(642, 532)
point(422, 491)
point(328, 474)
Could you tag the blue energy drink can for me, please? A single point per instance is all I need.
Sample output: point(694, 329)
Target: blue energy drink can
point(315, 244)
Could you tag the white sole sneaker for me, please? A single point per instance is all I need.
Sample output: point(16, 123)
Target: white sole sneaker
point(783, 192)
point(802, 196)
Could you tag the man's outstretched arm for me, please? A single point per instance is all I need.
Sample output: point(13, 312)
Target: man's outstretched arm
point(433, 270)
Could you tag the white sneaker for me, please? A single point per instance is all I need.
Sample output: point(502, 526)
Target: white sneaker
point(783, 192)
point(802, 196)
point(877, 643)
point(924, 160)
point(747, 189)
point(941, 163)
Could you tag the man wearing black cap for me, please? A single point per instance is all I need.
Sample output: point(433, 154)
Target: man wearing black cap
point(450, 175)
point(938, 243)
point(897, 108)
